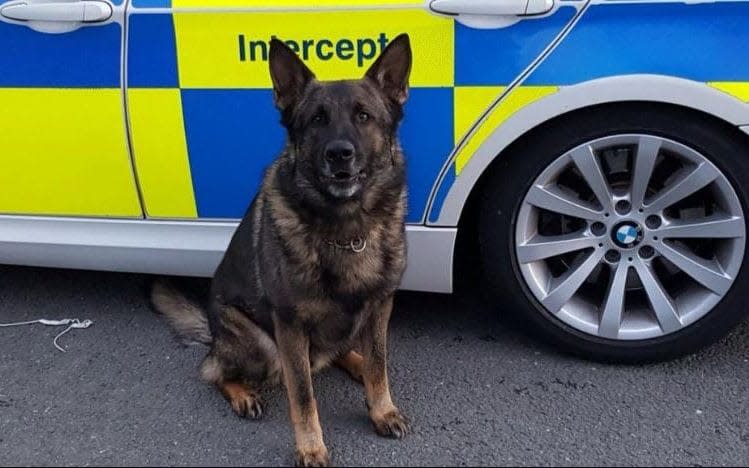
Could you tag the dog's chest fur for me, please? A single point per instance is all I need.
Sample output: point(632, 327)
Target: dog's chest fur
point(285, 268)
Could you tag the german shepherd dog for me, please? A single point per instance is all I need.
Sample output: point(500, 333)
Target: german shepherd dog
point(311, 270)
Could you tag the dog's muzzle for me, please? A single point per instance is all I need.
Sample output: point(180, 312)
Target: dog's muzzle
point(340, 171)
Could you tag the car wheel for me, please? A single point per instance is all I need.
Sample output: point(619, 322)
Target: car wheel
point(619, 233)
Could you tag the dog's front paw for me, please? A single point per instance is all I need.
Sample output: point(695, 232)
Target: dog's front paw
point(392, 424)
point(312, 457)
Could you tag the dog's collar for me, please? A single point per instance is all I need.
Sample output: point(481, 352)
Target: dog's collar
point(356, 245)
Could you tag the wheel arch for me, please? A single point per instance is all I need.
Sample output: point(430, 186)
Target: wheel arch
point(692, 96)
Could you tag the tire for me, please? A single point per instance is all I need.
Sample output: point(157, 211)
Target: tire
point(504, 213)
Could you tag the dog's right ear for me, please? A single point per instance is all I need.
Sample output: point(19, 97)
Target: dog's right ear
point(289, 75)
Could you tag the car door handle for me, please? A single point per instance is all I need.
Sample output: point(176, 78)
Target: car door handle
point(492, 7)
point(88, 11)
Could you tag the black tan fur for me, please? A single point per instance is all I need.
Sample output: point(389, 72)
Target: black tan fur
point(311, 270)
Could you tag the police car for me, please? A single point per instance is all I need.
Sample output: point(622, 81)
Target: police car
point(593, 153)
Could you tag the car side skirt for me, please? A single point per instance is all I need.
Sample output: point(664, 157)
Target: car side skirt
point(182, 248)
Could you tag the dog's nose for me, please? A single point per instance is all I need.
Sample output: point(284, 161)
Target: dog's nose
point(339, 150)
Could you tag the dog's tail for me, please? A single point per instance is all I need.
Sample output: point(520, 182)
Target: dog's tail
point(186, 317)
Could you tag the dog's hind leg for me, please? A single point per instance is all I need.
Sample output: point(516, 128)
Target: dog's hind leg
point(243, 399)
point(352, 362)
point(243, 358)
point(241, 395)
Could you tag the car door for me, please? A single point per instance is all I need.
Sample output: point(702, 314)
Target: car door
point(63, 143)
point(200, 100)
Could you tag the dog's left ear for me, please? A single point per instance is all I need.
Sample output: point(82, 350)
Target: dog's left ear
point(289, 75)
point(391, 69)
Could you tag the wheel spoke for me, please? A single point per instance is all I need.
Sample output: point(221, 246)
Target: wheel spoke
point(663, 307)
point(590, 168)
point(713, 227)
point(687, 185)
point(706, 272)
point(563, 288)
point(557, 201)
point(611, 317)
point(542, 247)
point(647, 152)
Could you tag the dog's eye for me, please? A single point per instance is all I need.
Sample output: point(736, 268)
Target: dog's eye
point(363, 116)
point(318, 118)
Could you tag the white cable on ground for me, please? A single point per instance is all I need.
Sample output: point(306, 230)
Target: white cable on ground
point(71, 323)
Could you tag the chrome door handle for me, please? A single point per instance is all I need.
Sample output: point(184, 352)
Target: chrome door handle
point(88, 11)
point(491, 7)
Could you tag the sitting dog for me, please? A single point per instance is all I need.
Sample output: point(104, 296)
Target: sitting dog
point(312, 268)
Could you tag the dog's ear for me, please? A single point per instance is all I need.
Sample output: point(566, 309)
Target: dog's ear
point(289, 75)
point(391, 69)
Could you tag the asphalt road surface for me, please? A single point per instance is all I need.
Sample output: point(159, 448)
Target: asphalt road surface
point(477, 389)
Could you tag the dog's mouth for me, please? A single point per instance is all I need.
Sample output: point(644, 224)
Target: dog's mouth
point(346, 177)
point(344, 184)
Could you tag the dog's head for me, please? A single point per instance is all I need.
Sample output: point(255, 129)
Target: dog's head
point(342, 132)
